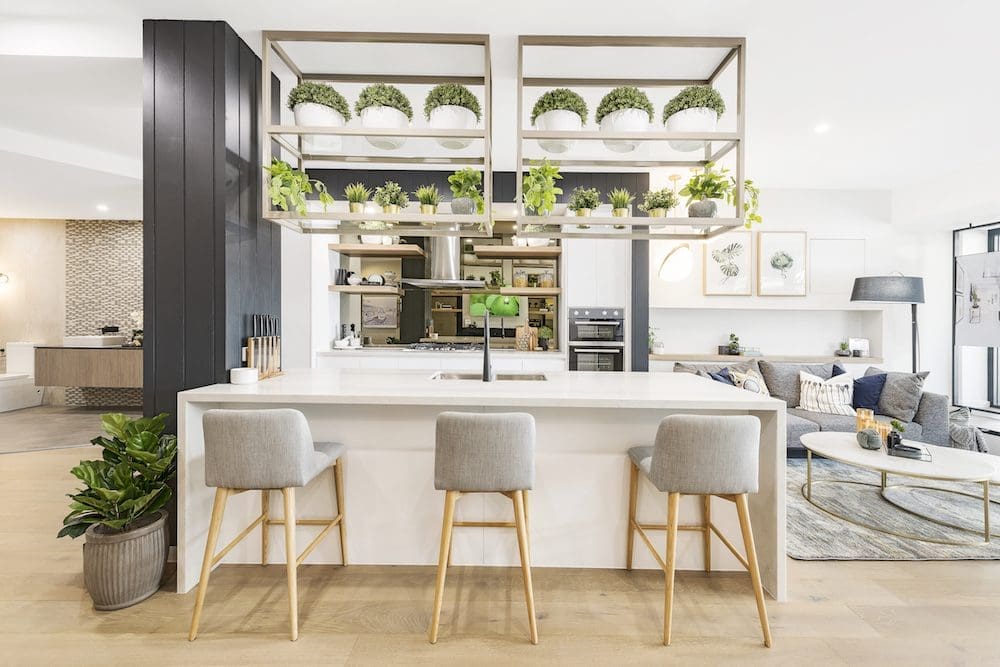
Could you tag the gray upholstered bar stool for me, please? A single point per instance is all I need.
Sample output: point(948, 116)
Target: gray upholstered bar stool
point(484, 453)
point(263, 450)
point(702, 455)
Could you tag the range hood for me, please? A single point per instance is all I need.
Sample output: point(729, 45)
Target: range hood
point(446, 265)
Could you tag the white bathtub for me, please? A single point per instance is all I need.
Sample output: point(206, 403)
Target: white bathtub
point(18, 391)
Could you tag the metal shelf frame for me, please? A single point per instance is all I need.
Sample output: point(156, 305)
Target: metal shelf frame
point(641, 228)
point(289, 137)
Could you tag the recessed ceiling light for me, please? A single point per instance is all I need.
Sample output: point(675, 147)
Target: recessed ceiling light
point(103, 208)
point(822, 128)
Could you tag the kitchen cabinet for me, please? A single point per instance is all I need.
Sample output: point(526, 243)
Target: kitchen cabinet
point(597, 273)
point(458, 361)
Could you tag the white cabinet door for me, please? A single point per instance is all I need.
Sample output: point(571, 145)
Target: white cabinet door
point(326, 361)
point(613, 271)
point(543, 364)
point(580, 277)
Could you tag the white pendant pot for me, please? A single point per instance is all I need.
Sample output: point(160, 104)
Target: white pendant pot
point(558, 120)
point(384, 118)
point(698, 119)
point(310, 114)
point(624, 120)
point(452, 117)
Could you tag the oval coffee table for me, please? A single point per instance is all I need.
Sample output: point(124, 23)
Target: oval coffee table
point(947, 465)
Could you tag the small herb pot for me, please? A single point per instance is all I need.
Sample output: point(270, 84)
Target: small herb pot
point(705, 208)
point(391, 209)
point(620, 213)
point(843, 353)
point(428, 209)
point(582, 212)
point(356, 206)
point(657, 212)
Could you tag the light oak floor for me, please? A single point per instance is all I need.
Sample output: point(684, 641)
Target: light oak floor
point(839, 614)
point(51, 426)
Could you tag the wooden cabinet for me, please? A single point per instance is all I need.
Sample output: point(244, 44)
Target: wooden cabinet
point(88, 367)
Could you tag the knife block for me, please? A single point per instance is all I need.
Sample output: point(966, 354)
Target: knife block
point(264, 354)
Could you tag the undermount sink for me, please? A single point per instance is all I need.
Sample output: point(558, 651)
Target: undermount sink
point(94, 341)
point(510, 377)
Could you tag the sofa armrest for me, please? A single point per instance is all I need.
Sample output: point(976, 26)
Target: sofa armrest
point(932, 415)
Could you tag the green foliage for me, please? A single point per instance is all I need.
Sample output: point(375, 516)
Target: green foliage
point(844, 345)
point(709, 184)
point(357, 193)
point(620, 198)
point(694, 97)
point(390, 194)
point(624, 97)
point(130, 481)
point(582, 197)
point(468, 182)
point(734, 343)
point(652, 336)
point(501, 306)
point(428, 194)
point(545, 333)
point(897, 425)
point(540, 189)
point(559, 98)
point(383, 95)
point(288, 187)
point(751, 201)
point(319, 93)
point(665, 199)
point(452, 93)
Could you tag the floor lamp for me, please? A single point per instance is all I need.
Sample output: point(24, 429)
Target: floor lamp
point(893, 289)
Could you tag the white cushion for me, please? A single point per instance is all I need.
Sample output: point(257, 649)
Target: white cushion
point(833, 397)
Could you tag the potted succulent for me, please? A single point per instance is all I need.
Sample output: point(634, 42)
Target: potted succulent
point(703, 191)
point(120, 510)
point(429, 198)
point(382, 106)
point(583, 201)
point(895, 436)
point(318, 105)
point(694, 109)
point(466, 190)
point(844, 350)
point(451, 106)
point(391, 198)
point(733, 347)
point(624, 109)
point(357, 195)
point(559, 110)
point(288, 187)
point(656, 203)
point(544, 336)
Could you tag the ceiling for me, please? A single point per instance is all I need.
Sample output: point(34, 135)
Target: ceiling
point(906, 89)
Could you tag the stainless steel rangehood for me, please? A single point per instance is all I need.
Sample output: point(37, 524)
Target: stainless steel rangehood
point(446, 266)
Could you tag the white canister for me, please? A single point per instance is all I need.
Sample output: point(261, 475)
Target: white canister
point(243, 375)
point(382, 117)
point(452, 117)
point(697, 119)
point(310, 114)
point(624, 120)
point(558, 120)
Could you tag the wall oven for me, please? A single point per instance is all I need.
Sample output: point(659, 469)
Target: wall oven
point(597, 338)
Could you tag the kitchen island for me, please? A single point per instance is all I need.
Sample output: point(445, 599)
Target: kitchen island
point(585, 424)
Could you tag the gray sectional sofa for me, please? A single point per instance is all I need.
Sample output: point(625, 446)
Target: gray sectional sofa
point(930, 424)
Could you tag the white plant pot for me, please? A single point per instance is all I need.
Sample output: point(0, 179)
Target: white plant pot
point(384, 118)
point(558, 120)
point(659, 348)
point(537, 242)
point(452, 117)
point(698, 119)
point(624, 120)
point(310, 114)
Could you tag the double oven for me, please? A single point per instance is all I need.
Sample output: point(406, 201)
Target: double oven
point(597, 338)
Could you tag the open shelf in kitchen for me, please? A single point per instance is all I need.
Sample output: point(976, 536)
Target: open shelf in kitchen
point(372, 250)
point(381, 290)
point(517, 252)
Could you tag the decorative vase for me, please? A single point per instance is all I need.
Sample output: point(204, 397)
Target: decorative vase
point(428, 209)
point(356, 206)
point(869, 439)
point(452, 117)
point(657, 212)
point(123, 569)
point(659, 348)
point(620, 212)
point(624, 120)
point(382, 117)
point(463, 206)
point(310, 114)
point(893, 438)
point(696, 119)
point(544, 342)
point(558, 120)
point(706, 208)
point(391, 209)
point(582, 212)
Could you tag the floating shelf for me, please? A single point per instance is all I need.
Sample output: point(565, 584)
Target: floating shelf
point(405, 223)
point(790, 358)
point(429, 133)
point(530, 291)
point(382, 290)
point(516, 252)
point(635, 227)
point(372, 250)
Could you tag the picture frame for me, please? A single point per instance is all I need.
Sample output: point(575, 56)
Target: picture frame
point(782, 264)
point(727, 265)
point(379, 312)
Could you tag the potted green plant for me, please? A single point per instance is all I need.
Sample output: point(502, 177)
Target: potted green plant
point(318, 105)
point(733, 347)
point(844, 350)
point(466, 190)
point(429, 198)
point(391, 198)
point(621, 202)
point(452, 106)
point(357, 195)
point(583, 201)
point(496, 278)
point(539, 187)
point(655, 346)
point(288, 187)
point(382, 106)
point(120, 510)
point(656, 203)
point(624, 109)
point(694, 109)
point(705, 189)
point(895, 436)
point(544, 336)
point(559, 110)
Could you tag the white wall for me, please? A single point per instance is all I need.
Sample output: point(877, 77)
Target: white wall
point(296, 299)
point(33, 302)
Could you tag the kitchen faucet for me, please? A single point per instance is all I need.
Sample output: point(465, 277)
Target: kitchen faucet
point(488, 375)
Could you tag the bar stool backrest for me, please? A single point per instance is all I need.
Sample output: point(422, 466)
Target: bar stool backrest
point(257, 449)
point(706, 454)
point(484, 452)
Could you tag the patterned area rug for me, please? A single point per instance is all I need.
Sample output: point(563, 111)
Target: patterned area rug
point(816, 535)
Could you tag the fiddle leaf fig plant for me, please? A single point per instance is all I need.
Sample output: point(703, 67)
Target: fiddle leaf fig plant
point(540, 189)
point(288, 187)
point(452, 94)
point(559, 99)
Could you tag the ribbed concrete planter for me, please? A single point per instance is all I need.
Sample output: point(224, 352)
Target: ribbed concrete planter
point(123, 569)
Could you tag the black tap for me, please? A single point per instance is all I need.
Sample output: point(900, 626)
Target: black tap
point(487, 365)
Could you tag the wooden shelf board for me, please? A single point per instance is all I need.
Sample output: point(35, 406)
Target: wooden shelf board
point(520, 252)
point(475, 133)
point(631, 136)
point(736, 359)
point(372, 250)
point(531, 291)
point(383, 290)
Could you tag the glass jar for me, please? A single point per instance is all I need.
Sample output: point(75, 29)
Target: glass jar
point(520, 278)
point(547, 279)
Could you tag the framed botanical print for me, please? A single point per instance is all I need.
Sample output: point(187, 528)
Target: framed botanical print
point(782, 264)
point(727, 264)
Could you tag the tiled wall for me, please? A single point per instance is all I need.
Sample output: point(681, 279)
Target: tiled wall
point(103, 288)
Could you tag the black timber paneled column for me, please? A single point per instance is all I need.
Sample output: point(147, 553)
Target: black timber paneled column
point(209, 260)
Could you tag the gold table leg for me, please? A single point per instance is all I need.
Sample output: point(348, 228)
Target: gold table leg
point(986, 510)
point(809, 474)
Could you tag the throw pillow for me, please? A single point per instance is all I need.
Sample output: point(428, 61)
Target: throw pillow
point(783, 378)
point(901, 394)
point(750, 380)
point(837, 370)
point(831, 397)
point(867, 391)
point(722, 376)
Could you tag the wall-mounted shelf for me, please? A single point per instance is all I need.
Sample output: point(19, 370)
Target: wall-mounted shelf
point(380, 290)
point(746, 359)
point(516, 252)
point(530, 291)
point(633, 227)
point(372, 250)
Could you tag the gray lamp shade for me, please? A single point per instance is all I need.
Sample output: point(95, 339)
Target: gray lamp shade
point(889, 289)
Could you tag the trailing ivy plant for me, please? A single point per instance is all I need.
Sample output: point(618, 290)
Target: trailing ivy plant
point(391, 194)
point(654, 199)
point(383, 95)
point(719, 184)
point(288, 187)
point(130, 482)
point(560, 98)
point(428, 195)
point(624, 97)
point(695, 97)
point(539, 186)
point(582, 198)
point(357, 193)
point(468, 183)
point(319, 93)
point(452, 94)
point(620, 198)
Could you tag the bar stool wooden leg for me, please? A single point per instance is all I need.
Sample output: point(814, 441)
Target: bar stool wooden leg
point(633, 499)
point(450, 498)
point(706, 501)
point(522, 543)
point(744, 513)
point(338, 477)
point(218, 510)
point(673, 504)
point(290, 557)
point(265, 530)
